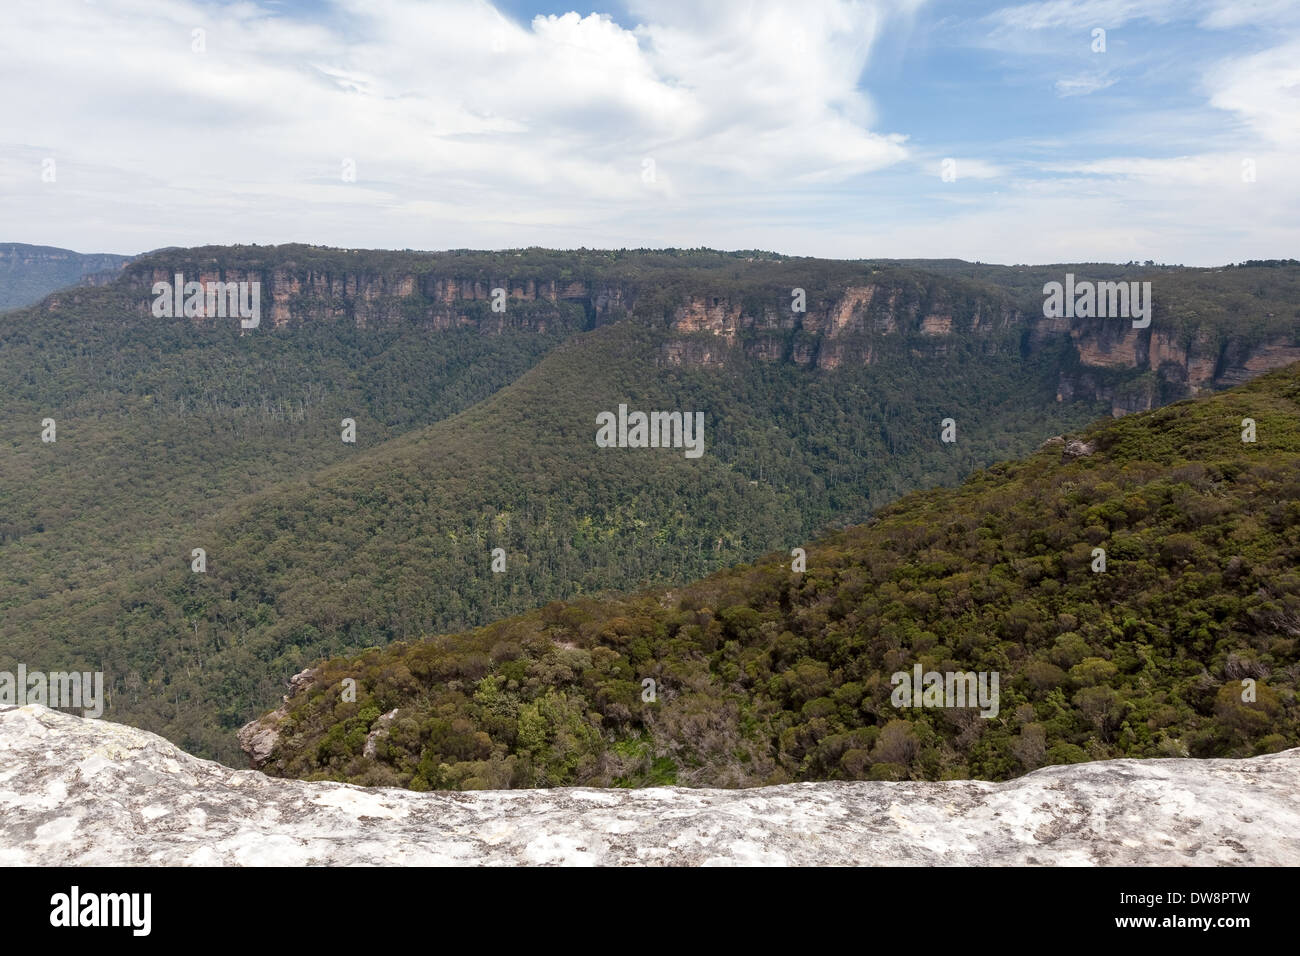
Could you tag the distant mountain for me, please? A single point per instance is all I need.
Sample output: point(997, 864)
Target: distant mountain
point(29, 273)
point(1133, 591)
point(475, 430)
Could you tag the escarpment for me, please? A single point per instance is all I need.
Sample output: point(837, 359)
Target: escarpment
point(812, 313)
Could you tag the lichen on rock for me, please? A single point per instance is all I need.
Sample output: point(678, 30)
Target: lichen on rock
point(85, 792)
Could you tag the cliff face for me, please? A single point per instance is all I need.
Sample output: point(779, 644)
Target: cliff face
point(843, 328)
point(291, 296)
point(851, 322)
point(87, 793)
point(1103, 359)
point(1179, 363)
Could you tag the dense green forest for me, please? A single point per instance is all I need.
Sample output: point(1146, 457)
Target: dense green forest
point(1187, 643)
point(174, 435)
point(396, 541)
point(161, 422)
point(1250, 301)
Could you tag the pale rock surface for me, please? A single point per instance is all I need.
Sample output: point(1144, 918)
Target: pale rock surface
point(1077, 448)
point(372, 739)
point(258, 738)
point(86, 792)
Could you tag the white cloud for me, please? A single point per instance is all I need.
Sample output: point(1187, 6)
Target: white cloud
point(1082, 14)
point(1205, 170)
point(966, 168)
point(1264, 91)
point(470, 129)
point(443, 106)
point(1226, 14)
point(1084, 84)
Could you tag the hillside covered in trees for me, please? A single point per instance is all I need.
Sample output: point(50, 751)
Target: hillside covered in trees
point(474, 431)
point(1186, 644)
point(29, 273)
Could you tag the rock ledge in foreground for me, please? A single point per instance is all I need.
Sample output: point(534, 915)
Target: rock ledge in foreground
point(88, 792)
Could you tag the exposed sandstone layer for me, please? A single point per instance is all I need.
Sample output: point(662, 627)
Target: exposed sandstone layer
point(876, 319)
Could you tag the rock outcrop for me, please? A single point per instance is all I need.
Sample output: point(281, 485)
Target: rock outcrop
point(1077, 448)
point(85, 792)
point(864, 316)
point(258, 738)
point(843, 328)
point(1176, 364)
point(291, 296)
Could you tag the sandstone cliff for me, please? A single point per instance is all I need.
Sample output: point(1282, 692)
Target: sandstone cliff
point(847, 325)
point(295, 295)
point(859, 314)
point(1178, 363)
point(87, 792)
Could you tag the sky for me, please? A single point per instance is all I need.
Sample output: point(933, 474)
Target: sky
point(1054, 131)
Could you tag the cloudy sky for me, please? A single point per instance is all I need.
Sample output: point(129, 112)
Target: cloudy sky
point(900, 128)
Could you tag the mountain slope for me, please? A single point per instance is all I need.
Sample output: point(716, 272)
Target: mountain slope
point(475, 430)
point(764, 675)
point(396, 541)
point(161, 422)
point(29, 273)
